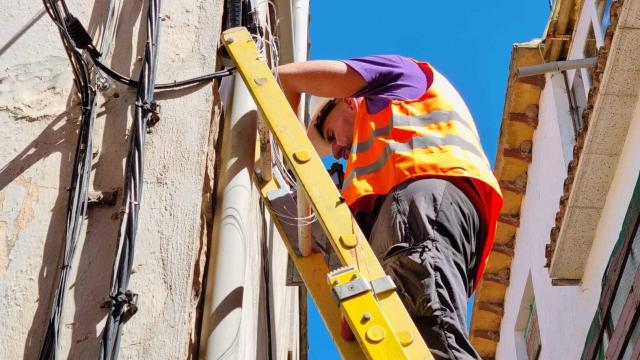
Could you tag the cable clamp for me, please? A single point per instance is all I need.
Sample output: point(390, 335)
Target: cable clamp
point(102, 82)
point(153, 108)
point(126, 303)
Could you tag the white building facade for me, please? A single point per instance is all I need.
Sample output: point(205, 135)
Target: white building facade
point(569, 293)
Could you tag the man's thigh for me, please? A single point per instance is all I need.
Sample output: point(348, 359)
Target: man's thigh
point(425, 235)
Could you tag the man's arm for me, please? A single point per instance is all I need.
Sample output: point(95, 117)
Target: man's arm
point(326, 78)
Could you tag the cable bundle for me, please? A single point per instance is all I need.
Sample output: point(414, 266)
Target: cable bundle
point(122, 302)
point(79, 185)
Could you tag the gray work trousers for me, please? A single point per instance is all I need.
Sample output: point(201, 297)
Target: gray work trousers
point(429, 238)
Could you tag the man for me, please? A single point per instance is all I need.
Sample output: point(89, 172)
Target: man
point(417, 180)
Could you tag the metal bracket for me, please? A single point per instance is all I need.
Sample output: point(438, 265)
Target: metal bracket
point(347, 283)
point(356, 284)
point(382, 285)
point(351, 289)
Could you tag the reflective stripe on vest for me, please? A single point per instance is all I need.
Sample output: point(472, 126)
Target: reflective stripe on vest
point(433, 117)
point(416, 142)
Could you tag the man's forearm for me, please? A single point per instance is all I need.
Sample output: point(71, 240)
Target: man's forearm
point(326, 78)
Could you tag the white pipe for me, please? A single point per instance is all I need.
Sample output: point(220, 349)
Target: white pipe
point(232, 223)
point(300, 29)
point(300, 46)
point(555, 66)
point(234, 229)
point(285, 30)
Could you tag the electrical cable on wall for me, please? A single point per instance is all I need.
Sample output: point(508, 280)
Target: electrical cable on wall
point(82, 40)
point(74, 36)
point(81, 173)
point(122, 303)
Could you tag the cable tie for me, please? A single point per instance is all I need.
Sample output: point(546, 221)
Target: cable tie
point(142, 105)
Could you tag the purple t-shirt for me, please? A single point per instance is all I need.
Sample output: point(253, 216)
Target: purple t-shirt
point(388, 77)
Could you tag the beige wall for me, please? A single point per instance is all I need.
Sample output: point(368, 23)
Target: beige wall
point(39, 121)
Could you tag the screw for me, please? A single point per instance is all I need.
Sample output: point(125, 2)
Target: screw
point(366, 316)
point(230, 39)
point(260, 81)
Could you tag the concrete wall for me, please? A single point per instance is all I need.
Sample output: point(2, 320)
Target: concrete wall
point(565, 312)
point(39, 122)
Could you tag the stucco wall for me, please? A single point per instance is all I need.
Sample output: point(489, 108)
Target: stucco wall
point(39, 122)
point(544, 187)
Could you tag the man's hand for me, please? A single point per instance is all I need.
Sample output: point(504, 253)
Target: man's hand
point(326, 78)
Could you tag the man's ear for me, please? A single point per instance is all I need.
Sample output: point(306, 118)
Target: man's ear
point(352, 102)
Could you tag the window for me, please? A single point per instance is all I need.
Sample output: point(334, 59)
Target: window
point(532, 334)
point(590, 48)
point(527, 329)
point(614, 331)
point(579, 97)
point(582, 79)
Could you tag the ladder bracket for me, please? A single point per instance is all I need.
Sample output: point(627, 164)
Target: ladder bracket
point(356, 284)
point(351, 289)
point(382, 285)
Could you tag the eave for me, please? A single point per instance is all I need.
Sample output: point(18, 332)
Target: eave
point(611, 102)
point(519, 120)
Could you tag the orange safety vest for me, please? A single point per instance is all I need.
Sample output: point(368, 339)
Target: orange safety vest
point(432, 136)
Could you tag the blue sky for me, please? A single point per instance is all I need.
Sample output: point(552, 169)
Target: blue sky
point(468, 41)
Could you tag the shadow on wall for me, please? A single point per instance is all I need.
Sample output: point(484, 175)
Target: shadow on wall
point(93, 267)
point(96, 257)
point(52, 140)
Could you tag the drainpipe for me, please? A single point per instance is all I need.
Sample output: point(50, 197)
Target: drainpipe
point(300, 15)
point(300, 45)
point(555, 66)
point(562, 66)
point(232, 227)
point(234, 222)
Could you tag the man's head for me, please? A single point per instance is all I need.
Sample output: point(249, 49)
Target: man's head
point(331, 126)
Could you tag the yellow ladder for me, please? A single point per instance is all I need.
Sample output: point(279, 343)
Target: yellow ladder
point(360, 290)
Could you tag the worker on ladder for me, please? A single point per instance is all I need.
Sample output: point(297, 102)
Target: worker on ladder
point(417, 180)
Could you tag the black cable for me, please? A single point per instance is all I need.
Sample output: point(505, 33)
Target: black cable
point(82, 40)
point(123, 302)
point(166, 86)
point(79, 184)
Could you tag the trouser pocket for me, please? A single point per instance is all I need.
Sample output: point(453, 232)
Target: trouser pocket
point(412, 270)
